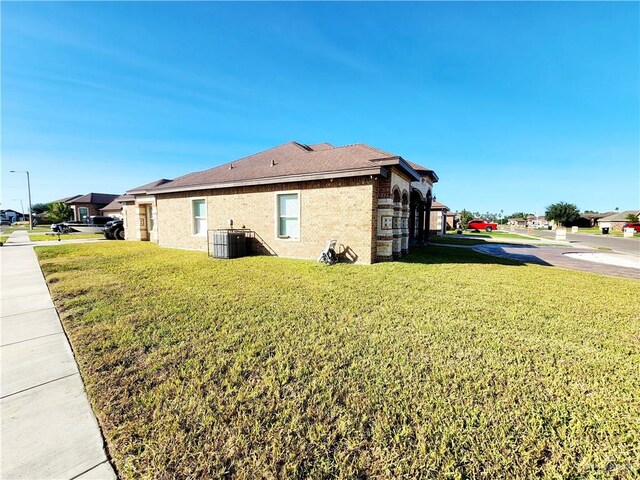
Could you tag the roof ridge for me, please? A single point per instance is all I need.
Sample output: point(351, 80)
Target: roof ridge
point(292, 142)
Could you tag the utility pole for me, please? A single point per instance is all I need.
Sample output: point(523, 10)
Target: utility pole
point(21, 206)
point(29, 190)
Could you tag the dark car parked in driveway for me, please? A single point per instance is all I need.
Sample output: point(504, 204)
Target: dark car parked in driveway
point(114, 230)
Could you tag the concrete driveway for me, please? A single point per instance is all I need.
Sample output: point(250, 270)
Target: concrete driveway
point(563, 257)
point(629, 246)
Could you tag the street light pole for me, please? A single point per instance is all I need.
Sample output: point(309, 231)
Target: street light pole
point(29, 190)
point(21, 206)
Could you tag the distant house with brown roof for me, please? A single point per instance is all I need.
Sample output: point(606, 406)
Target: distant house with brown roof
point(616, 220)
point(294, 198)
point(114, 209)
point(84, 206)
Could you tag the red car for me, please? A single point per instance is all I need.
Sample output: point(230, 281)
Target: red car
point(482, 225)
point(635, 226)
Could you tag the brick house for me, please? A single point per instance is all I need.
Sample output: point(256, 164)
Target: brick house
point(88, 205)
point(616, 220)
point(453, 219)
point(114, 209)
point(438, 223)
point(295, 198)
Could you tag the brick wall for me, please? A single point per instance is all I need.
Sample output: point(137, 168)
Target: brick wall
point(130, 221)
point(92, 208)
point(341, 209)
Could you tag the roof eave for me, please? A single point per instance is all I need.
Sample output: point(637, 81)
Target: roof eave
point(270, 180)
point(401, 162)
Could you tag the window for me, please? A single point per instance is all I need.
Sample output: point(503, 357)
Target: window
point(288, 215)
point(83, 212)
point(150, 217)
point(199, 212)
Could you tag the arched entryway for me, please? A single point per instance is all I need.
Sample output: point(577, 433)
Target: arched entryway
point(427, 223)
point(416, 217)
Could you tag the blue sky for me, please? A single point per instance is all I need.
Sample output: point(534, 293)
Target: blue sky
point(514, 105)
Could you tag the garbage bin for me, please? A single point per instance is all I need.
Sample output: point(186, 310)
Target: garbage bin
point(605, 230)
point(549, 227)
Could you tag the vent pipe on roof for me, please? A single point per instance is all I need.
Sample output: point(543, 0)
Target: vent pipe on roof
point(230, 166)
point(273, 162)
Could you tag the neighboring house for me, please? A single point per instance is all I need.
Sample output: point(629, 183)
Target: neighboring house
point(84, 206)
point(539, 221)
point(588, 220)
point(438, 223)
point(294, 198)
point(12, 215)
point(616, 220)
point(518, 222)
point(114, 209)
point(453, 219)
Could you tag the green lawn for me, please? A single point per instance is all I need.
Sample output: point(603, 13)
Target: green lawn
point(449, 364)
point(41, 237)
point(499, 234)
point(478, 238)
point(597, 231)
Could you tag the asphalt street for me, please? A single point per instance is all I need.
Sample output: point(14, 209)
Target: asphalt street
point(629, 246)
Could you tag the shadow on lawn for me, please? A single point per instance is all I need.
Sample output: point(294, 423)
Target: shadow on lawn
point(484, 253)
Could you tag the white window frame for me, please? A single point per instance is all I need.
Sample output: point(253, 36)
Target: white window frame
point(193, 216)
point(276, 199)
point(80, 212)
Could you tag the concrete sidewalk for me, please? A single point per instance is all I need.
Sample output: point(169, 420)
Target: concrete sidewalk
point(48, 427)
point(21, 237)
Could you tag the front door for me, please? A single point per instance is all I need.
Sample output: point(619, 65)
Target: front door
point(144, 216)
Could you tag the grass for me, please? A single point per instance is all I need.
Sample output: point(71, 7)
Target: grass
point(449, 364)
point(71, 236)
point(494, 234)
point(597, 231)
point(451, 240)
point(479, 238)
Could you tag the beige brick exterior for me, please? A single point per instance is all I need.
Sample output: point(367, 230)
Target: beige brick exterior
point(373, 218)
point(340, 209)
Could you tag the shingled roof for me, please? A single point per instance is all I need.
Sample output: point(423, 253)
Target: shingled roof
point(619, 216)
point(116, 205)
point(97, 198)
point(67, 199)
point(291, 162)
point(148, 186)
point(424, 171)
point(438, 206)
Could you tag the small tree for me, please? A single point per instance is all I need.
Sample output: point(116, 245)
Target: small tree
point(59, 212)
point(465, 218)
point(38, 208)
point(632, 218)
point(562, 213)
